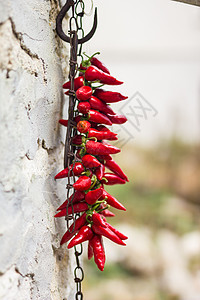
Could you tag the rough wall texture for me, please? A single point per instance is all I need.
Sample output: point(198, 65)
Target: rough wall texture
point(32, 265)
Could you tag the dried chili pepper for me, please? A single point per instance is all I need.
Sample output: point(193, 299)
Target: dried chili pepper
point(76, 168)
point(92, 196)
point(115, 168)
point(96, 103)
point(102, 127)
point(99, 172)
point(77, 196)
point(117, 119)
point(93, 74)
point(84, 93)
point(107, 233)
point(99, 220)
point(111, 148)
point(98, 251)
point(97, 148)
point(90, 250)
point(77, 140)
point(77, 207)
point(97, 63)
point(105, 157)
point(78, 82)
point(63, 122)
point(102, 135)
point(83, 107)
point(108, 96)
point(77, 119)
point(97, 117)
point(112, 201)
point(90, 161)
point(73, 229)
point(107, 213)
point(84, 234)
point(83, 183)
point(117, 232)
point(83, 126)
point(112, 179)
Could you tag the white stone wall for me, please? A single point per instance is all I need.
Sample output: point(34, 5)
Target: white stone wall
point(32, 60)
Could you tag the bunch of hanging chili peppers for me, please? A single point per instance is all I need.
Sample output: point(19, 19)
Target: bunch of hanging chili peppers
point(93, 155)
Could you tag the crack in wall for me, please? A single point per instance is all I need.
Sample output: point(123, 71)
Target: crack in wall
point(19, 37)
point(8, 63)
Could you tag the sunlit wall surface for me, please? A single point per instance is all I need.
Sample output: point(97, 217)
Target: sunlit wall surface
point(154, 47)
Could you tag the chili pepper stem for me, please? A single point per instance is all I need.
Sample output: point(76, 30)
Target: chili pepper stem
point(94, 182)
point(93, 138)
point(90, 57)
point(97, 87)
point(102, 209)
point(106, 180)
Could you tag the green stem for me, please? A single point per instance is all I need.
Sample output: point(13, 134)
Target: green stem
point(94, 182)
point(93, 138)
point(90, 57)
point(103, 178)
point(102, 209)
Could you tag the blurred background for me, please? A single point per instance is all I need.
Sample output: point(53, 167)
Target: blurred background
point(154, 47)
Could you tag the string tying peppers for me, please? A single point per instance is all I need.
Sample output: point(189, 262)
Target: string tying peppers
point(93, 157)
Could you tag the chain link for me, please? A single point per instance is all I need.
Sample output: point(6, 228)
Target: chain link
point(78, 11)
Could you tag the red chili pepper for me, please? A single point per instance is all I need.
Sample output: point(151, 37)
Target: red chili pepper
point(84, 234)
point(84, 93)
point(73, 229)
point(97, 117)
point(67, 93)
point(96, 103)
point(83, 126)
point(77, 207)
point(115, 168)
point(78, 155)
point(105, 157)
point(112, 179)
point(92, 196)
point(117, 119)
point(93, 73)
point(111, 147)
point(78, 82)
point(98, 220)
point(90, 161)
point(107, 213)
point(90, 250)
point(108, 96)
point(83, 67)
point(77, 119)
point(98, 250)
point(112, 201)
point(101, 127)
point(77, 140)
point(97, 148)
point(97, 63)
point(82, 184)
point(107, 233)
point(77, 196)
point(99, 172)
point(117, 232)
point(102, 135)
point(83, 107)
point(63, 122)
point(76, 168)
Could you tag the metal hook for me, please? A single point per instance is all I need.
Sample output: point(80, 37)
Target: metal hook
point(60, 18)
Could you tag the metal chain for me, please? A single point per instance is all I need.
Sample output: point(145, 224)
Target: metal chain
point(76, 18)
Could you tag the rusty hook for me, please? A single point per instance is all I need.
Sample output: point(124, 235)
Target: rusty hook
point(60, 17)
